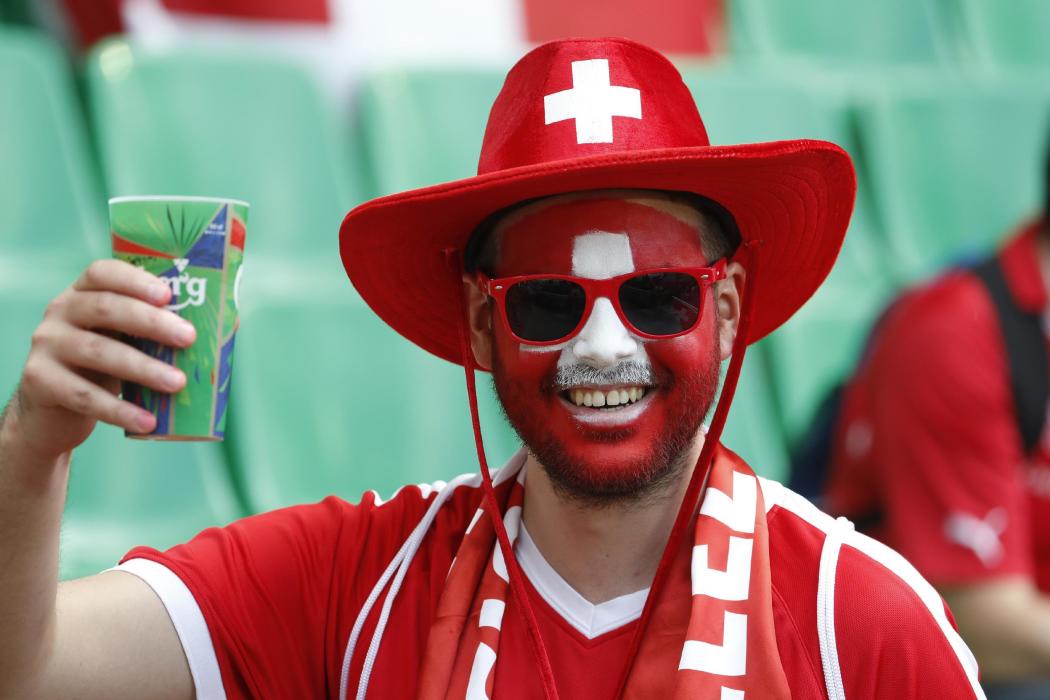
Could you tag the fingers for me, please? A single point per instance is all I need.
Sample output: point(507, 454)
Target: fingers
point(55, 384)
point(113, 358)
point(116, 312)
point(123, 278)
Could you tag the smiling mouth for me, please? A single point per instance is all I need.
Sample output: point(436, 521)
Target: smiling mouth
point(605, 399)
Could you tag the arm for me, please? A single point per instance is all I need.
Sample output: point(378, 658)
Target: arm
point(1006, 623)
point(107, 635)
point(948, 464)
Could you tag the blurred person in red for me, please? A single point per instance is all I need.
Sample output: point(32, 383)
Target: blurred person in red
point(942, 450)
point(603, 264)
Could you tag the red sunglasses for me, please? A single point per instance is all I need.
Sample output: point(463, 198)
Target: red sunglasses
point(654, 303)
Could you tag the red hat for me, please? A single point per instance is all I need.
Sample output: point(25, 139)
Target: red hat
point(586, 114)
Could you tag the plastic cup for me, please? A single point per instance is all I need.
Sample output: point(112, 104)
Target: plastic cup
point(196, 246)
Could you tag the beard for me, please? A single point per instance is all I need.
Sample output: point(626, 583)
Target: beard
point(645, 472)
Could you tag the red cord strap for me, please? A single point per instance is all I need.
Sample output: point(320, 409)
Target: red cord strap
point(702, 470)
point(550, 690)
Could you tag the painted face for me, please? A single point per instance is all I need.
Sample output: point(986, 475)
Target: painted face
point(606, 412)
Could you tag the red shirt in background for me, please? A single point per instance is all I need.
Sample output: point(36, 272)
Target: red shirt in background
point(929, 440)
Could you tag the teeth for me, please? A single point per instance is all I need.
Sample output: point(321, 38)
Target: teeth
point(614, 397)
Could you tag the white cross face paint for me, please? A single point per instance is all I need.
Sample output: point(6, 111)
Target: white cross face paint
point(604, 340)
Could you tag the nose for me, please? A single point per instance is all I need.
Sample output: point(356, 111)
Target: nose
point(604, 340)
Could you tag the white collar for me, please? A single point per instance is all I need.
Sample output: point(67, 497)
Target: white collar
point(588, 619)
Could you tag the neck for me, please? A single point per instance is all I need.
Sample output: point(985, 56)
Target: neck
point(608, 551)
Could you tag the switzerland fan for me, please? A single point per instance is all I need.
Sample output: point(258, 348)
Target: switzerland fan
point(602, 264)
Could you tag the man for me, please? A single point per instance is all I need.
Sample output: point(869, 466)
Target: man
point(602, 264)
point(952, 466)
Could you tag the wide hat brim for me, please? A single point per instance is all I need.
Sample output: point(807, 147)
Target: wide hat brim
point(794, 197)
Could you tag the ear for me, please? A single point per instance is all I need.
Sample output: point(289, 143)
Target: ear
point(727, 295)
point(479, 313)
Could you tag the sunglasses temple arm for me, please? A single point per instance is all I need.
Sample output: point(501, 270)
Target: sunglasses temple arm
point(454, 260)
point(702, 471)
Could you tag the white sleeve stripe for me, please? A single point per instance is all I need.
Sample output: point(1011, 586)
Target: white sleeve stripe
point(189, 624)
point(829, 653)
point(927, 594)
point(796, 504)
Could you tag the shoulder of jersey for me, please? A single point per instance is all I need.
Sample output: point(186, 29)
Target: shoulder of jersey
point(866, 592)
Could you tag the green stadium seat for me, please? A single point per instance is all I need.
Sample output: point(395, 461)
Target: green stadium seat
point(424, 127)
point(955, 164)
point(1009, 34)
point(817, 347)
point(242, 125)
point(835, 32)
point(22, 311)
point(52, 214)
point(16, 12)
point(328, 399)
point(753, 427)
point(125, 492)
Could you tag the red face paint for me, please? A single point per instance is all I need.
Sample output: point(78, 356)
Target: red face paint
point(583, 454)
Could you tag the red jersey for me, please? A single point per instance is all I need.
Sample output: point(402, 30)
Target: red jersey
point(266, 607)
point(929, 440)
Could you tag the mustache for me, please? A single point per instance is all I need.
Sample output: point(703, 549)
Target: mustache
point(629, 372)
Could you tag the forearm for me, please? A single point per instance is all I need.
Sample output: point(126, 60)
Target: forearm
point(32, 496)
point(1007, 626)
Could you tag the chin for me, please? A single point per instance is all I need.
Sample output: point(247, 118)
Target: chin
point(603, 457)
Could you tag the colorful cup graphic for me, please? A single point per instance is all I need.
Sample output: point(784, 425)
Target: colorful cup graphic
point(196, 245)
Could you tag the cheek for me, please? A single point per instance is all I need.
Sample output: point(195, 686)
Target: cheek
point(687, 354)
point(520, 364)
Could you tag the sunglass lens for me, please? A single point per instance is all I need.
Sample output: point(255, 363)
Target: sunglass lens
point(544, 310)
point(661, 303)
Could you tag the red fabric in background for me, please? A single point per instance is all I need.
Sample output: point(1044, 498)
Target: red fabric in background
point(309, 11)
point(673, 26)
point(91, 20)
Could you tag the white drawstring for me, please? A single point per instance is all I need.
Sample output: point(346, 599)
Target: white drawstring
point(829, 654)
point(399, 564)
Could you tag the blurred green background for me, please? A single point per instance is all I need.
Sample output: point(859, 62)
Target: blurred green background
point(943, 104)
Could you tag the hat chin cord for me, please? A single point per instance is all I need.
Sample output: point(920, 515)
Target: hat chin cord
point(702, 471)
point(694, 491)
point(454, 260)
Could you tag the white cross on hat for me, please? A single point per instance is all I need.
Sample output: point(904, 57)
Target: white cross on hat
point(592, 102)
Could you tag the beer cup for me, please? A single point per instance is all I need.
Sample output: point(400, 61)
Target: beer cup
point(196, 246)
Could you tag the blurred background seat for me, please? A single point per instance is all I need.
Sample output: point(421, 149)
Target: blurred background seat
point(753, 429)
point(888, 32)
point(815, 349)
point(125, 493)
point(328, 399)
point(231, 124)
point(52, 214)
point(955, 165)
point(1008, 34)
point(422, 127)
point(366, 409)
